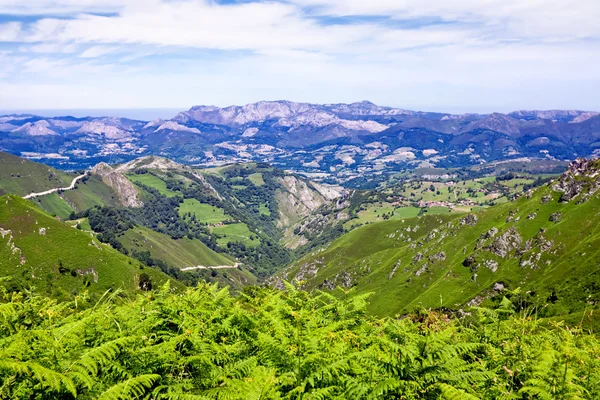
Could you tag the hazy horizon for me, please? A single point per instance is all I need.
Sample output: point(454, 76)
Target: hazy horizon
point(149, 114)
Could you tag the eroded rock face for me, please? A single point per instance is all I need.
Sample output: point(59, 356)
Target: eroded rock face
point(11, 245)
point(299, 198)
point(344, 279)
point(126, 191)
point(582, 176)
point(308, 271)
point(506, 243)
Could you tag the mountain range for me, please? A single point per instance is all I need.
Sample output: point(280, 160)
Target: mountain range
point(337, 141)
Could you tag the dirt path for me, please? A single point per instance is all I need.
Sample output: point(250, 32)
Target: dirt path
point(215, 267)
point(33, 195)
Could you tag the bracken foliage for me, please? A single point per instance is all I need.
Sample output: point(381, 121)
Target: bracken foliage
point(266, 344)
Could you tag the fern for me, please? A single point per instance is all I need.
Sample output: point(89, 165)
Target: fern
point(46, 377)
point(131, 388)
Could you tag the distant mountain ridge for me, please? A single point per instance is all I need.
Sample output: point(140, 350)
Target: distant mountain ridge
point(342, 140)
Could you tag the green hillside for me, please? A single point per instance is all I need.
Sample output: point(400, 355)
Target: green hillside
point(180, 253)
point(547, 247)
point(90, 192)
point(39, 251)
point(21, 177)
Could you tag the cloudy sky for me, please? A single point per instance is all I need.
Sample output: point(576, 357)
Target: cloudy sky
point(451, 55)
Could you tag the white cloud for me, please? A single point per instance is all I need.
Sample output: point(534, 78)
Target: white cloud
point(494, 54)
point(9, 32)
point(45, 7)
point(542, 18)
point(97, 51)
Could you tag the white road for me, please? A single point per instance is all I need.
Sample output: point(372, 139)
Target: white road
point(75, 180)
point(215, 267)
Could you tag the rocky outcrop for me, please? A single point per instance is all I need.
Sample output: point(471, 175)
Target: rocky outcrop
point(581, 177)
point(14, 250)
point(298, 200)
point(126, 191)
point(470, 219)
point(506, 243)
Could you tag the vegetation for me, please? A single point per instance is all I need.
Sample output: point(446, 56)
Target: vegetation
point(235, 233)
point(547, 247)
point(204, 213)
point(205, 344)
point(19, 176)
point(47, 256)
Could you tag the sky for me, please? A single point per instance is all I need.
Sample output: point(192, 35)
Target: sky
point(433, 55)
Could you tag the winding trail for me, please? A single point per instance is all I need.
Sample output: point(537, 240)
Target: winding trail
point(215, 267)
point(34, 195)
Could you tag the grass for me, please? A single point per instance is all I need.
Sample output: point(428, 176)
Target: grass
point(513, 183)
point(257, 179)
point(263, 209)
point(92, 193)
point(179, 253)
point(54, 204)
point(203, 212)
point(19, 176)
point(154, 182)
point(235, 233)
point(51, 259)
point(375, 212)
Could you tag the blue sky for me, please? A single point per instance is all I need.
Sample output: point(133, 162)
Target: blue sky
point(443, 55)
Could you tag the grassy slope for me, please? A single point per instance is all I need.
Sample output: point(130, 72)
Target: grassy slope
point(54, 204)
point(86, 195)
point(92, 193)
point(204, 212)
point(61, 244)
point(180, 253)
point(152, 181)
point(235, 233)
point(257, 179)
point(19, 176)
point(370, 253)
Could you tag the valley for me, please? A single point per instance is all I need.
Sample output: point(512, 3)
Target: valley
point(465, 256)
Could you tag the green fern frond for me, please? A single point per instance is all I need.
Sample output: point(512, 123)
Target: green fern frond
point(46, 377)
point(451, 393)
point(131, 388)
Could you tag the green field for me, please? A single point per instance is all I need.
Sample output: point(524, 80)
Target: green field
point(179, 253)
point(257, 179)
point(235, 233)
point(154, 182)
point(203, 212)
point(53, 257)
point(84, 224)
point(513, 183)
point(375, 212)
point(264, 209)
